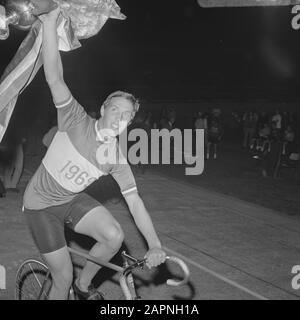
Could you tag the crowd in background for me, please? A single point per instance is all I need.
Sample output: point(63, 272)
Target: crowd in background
point(271, 137)
point(261, 127)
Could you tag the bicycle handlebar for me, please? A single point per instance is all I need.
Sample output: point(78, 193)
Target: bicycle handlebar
point(184, 268)
point(170, 282)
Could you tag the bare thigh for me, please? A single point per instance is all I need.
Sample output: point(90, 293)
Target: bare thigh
point(99, 224)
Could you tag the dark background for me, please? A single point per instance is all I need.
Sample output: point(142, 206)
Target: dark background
point(176, 50)
point(234, 50)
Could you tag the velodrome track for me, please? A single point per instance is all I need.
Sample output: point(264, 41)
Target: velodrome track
point(234, 249)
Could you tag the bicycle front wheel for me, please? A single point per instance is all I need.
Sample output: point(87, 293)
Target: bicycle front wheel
point(33, 281)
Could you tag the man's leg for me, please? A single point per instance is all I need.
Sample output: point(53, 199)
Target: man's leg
point(60, 266)
point(215, 150)
point(208, 150)
point(47, 228)
point(99, 224)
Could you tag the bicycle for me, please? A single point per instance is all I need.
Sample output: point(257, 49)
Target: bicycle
point(33, 278)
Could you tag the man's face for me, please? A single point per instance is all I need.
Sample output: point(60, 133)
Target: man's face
point(116, 115)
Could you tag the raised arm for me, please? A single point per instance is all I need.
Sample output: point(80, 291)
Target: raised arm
point(51, 58)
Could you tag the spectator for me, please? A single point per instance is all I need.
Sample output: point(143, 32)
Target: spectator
point(236, 118)
point(275, 132)
point(272, 157)
point(168, 119)
point(264, 135)
point(288, 141)
point(215, 134)
point(265, 131)
point(277, 118)
point(263, 118)
point(201, 123)
point(236, 125)
point(249, 127)
point(216, 114)
point(263, 138)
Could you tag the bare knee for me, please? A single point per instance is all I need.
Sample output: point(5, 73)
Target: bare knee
point(114, 236)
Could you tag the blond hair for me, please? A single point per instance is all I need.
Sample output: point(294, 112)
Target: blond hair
point(130, 97)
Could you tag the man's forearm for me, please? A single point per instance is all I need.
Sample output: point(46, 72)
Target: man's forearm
point(51, 56)
point(144, 223)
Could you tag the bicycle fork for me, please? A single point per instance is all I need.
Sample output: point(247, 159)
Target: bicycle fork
point(126, 277)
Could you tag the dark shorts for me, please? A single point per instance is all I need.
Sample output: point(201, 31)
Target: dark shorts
point(47, 225)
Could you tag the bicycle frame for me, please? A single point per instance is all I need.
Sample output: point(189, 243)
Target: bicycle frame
point(126, 280)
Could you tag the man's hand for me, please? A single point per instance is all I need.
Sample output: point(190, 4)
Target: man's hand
point(43, 6)
point(50, 17)
point(155, 257)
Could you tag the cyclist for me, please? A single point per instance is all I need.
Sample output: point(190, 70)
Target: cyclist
point(74, 160)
